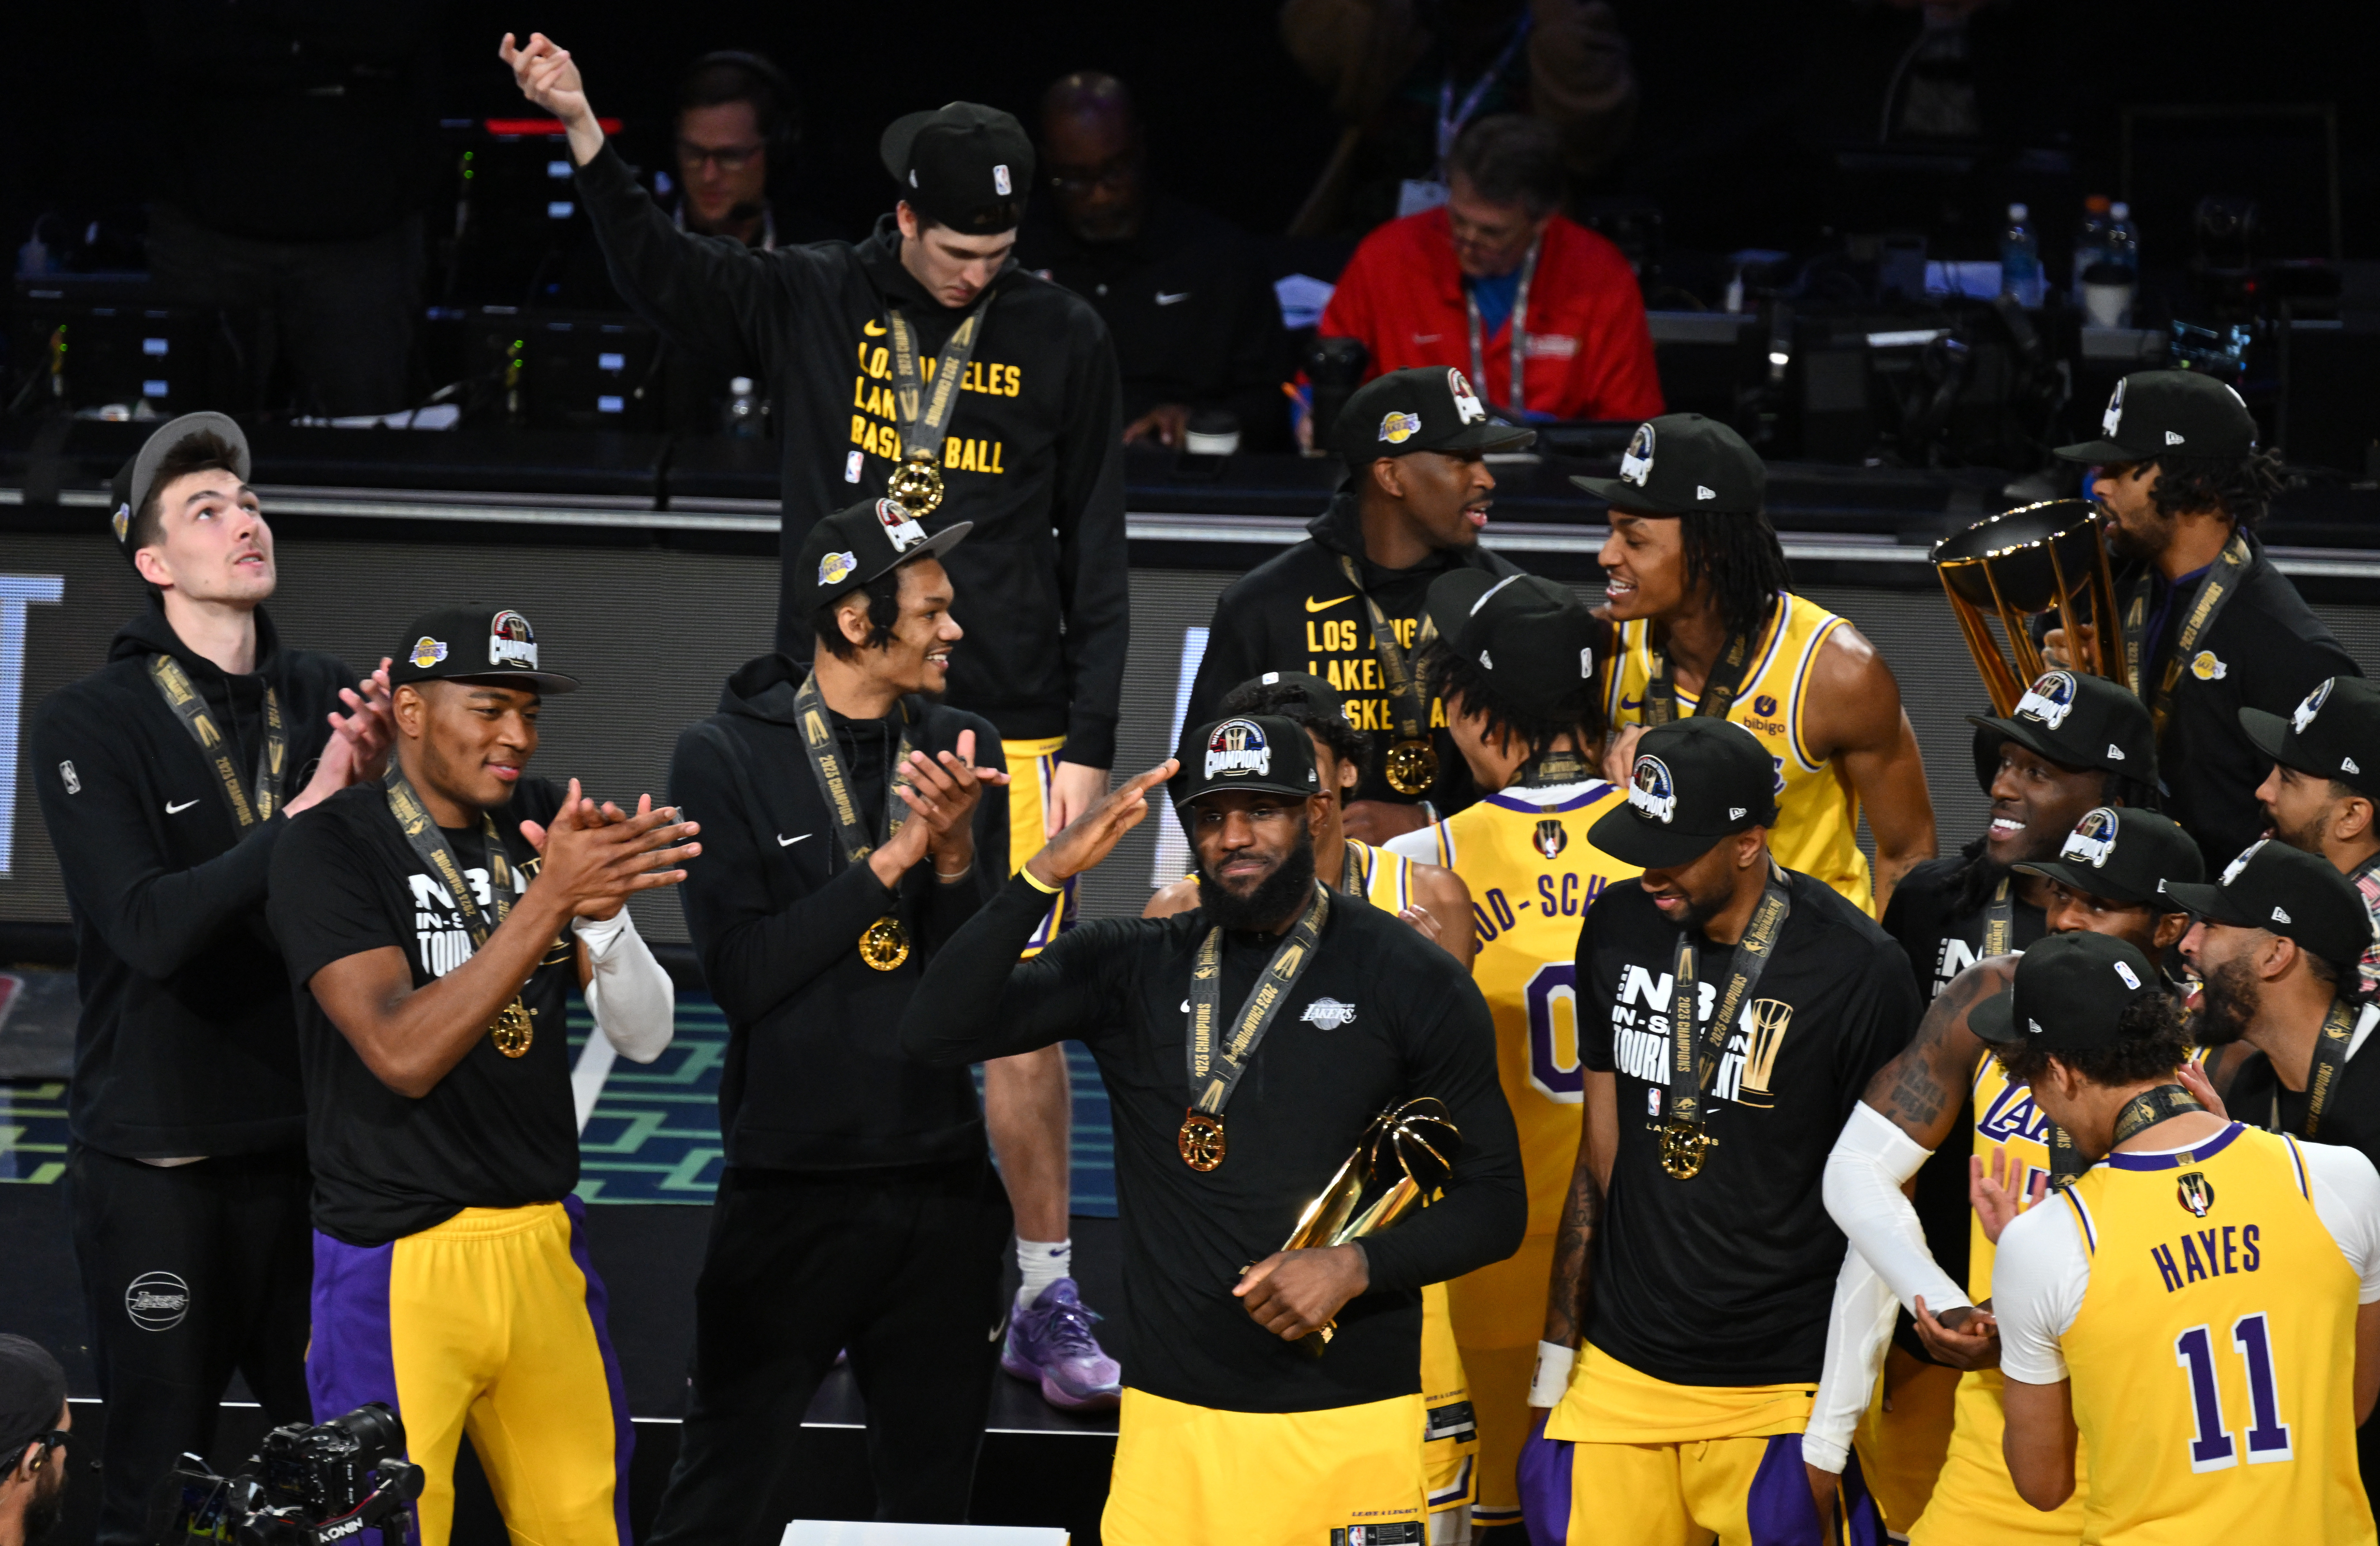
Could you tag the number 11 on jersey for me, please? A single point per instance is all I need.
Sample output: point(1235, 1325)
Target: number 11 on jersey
point(2212, 1448)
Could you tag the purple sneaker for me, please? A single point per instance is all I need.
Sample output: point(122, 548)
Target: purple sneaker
point(1051, 1341)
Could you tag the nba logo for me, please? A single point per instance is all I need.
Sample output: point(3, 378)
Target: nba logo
point(1551, 839)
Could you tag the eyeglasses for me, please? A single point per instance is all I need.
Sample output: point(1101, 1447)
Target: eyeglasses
point(729, 158)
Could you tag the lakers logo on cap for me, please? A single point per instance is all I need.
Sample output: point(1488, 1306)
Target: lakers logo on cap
point(1398, 428)
point(1237, 748)
point(2050, 699)
point(2312, 706)
point(427, 652)
point(1652, 791)
point(836, 566)
point(1636, 462)
point(1468, 408)
point(122, 521)
point(510, 642)
point(1551, 838)
point(2093, 839)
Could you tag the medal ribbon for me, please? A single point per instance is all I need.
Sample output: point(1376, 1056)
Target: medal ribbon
point(1405, 689)
point(2329, 1062)
point(2150, 1107)
point(2222, 581)
point(430, 845)
point(1217, 1065)
point(925, 412)
point(271, 758)
point(1999, 921)
point(1520, 323)
point(851, 834)
point(1694, 1059)
point(1719, 689)
point(1355, 870)
point(1551, 767)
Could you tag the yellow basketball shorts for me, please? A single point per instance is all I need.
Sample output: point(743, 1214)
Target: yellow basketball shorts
point(1031, 766)
point(489, 1324)
point(1900, 1449)
point(1974, 1502)
point(1499, 1313)
point(1346, 1476)
point(1450, 1431)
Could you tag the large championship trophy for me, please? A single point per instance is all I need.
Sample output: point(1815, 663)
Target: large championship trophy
point(2036, 559)
point(1416, 1143)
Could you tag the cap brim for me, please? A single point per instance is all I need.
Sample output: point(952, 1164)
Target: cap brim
point(2269, 733)
point(1452, 597)
point(1994, 1020)
point(2029, 738)
point(1490, 437)
point(1635, 496)
point(1241, 786)
point(900, 135)
point(549, 682)
point(2095, 453)
point(2086, 883)
point(1631, 839)
point(2200, 899)
point(161, 443)
point(934, 546)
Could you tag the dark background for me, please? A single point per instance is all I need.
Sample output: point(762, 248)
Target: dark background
point(1743, 101)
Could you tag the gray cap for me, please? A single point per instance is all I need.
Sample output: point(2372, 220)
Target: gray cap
point(135, 478)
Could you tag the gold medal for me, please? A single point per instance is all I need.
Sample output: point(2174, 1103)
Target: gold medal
point(511, 1029)
point(1683, 1149)
point(1412, 767)
point(885, 945)
point(916, 484)
point(1200, 1140)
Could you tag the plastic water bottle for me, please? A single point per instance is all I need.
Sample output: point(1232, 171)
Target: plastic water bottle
point(2123, 240)
point(742, 410)
point(2020, 259)
point(2090, 238)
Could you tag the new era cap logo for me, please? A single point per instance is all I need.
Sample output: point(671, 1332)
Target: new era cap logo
point(2115, 753)
point(2171, 438)
point(1735, 813)
point(1702, 492)
point(2279, 917)
point(2347, 764)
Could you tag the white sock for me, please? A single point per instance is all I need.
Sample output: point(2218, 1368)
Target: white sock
point(1042, 1263)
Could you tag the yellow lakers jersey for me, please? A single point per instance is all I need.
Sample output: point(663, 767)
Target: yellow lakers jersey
point(1818, 813)
point(2211, 1355)
point(1381, 878)
point(1533, 874)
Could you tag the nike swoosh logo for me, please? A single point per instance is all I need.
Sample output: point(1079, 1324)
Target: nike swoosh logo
point(784, 842)
point(1313, 605)
point(1185, 1006)
point(871, 329)
point(1164, 299)
point(1631, 703)
point(173, 810)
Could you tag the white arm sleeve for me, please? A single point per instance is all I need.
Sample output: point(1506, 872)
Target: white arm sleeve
point(2347, 1199)
point(1419, 845)
point(1871, 1162)
point(631, 997)
point(2039, 1276)
point(1858, 1326)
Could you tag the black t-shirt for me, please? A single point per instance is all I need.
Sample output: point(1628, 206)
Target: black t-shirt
point(1941, 938)
point(497, 1131)
point(1726, 1279)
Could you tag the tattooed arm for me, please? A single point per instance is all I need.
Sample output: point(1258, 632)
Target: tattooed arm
point(1582, 1210)
point(1921, 1090)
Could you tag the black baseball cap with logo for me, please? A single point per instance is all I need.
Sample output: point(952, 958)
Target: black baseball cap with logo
point(2157, 413)
point(137, 479)
point(1424, 408)
point(2298, 895)
point(1263, 753)
point(473, 643)
point(1696, 782)
point(2124, 855)
point(2069, 993)
point(963, 164)
point(1681, 462)
point(2334, 733)
point(863, 541)
point(2077, 721)
point(1535, 638)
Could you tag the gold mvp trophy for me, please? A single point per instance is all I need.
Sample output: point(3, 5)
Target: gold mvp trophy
point(1417, 1143)
point(2036, 559)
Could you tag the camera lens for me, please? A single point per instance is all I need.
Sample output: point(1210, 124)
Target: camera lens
point(377, 1431)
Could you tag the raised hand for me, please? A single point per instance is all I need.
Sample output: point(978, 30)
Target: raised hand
point(2000, 1197)
point(548, 76)
point(608, 814)
point(593, 864)
point(1093, 836)
point(941, 795)
point(1619, 756)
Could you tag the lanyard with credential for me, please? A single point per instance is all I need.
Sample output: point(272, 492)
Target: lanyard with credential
point(1692, 1059)
point(173, 685)
point(1411, 767)
point(1217, 1061)
point(511, 1029)
point(2223, 577)
point(1726, 680)
point(884, 944)
point(1519, 335)
point(925, 412)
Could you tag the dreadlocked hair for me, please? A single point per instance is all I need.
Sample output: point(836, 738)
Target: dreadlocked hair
point(1739, 564)
point(2242, 488)
point(2151, 1042)
point(1449, 676)
point(1346, 743)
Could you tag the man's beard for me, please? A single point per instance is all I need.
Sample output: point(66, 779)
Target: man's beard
point(1275, 897)
point(47, 1504)
point(2128, 543)
point(1700, 910)
point(2306, 839)
point(2228, 999)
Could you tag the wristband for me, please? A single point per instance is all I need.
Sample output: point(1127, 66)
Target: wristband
point(955, 876)
point(1037, 884)
point(1552, 1376)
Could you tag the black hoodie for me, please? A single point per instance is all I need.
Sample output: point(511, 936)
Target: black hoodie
point(1297, 611)
point(188, 1043)
point(1034, 454)
point(815, 1078)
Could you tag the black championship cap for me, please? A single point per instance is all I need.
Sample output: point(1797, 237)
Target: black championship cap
point(136, 478)
point(474, 643)
point(2295, 895)
point(32, 1393)
point(1427, 407)
point(2154, 413)
point(964, 166)
point(2334, 733)
point(1535, 639)
point(856, 544)
point(2124, 855)
point(1263, 752)
point(1696, 781)
point(2078, 721)
point(2071, 990)
point(1681, 462)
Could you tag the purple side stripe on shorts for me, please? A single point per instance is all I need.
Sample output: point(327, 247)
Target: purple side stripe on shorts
point(623, 1427)
point(350, 1361)
point(1782, 1512)
point(1544, 1482)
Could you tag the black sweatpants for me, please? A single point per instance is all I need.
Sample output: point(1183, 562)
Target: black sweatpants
point(900, 1266)
point(189, 1272)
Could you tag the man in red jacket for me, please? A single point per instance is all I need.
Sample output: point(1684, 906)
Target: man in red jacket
point(1500, 286)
